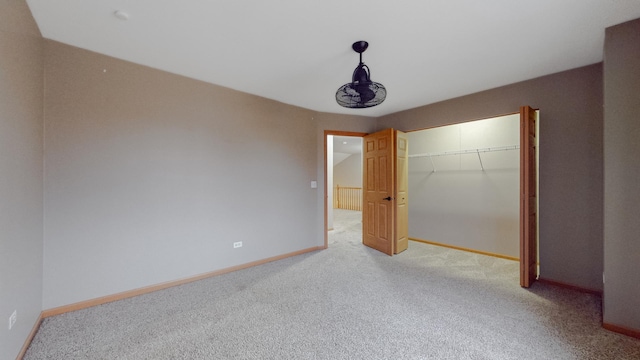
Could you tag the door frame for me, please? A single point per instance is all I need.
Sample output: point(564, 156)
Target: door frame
point(537, 169)
point(529, 188)
point(326, 189)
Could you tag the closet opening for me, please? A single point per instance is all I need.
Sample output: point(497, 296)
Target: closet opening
point(464, 186)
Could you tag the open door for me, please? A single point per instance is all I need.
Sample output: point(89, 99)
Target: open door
point(528, 198)
point(384, 188)
point(377, 191)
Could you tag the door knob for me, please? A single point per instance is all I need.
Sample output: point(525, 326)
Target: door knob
point(388, 198)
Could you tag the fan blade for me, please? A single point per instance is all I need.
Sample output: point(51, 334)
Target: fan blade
point(366, 94)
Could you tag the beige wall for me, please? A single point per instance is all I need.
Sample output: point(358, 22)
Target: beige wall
point(622, 175)
point(151, 177)
point(571, 182)
point(348, 172)
point(21, 62)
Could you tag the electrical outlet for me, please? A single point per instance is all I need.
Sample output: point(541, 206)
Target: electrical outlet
point(237, 244)
point(12, 319)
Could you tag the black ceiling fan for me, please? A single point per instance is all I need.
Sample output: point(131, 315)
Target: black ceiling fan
point(361, 92)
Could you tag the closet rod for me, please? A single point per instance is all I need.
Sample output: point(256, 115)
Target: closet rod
point(468, 151)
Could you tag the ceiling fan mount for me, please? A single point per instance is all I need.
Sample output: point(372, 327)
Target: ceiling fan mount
point(360, 46)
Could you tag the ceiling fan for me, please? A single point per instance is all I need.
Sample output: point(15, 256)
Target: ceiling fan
point(361, 92)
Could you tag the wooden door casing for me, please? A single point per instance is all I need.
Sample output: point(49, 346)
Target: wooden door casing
point(528, 198)
point(326, 201)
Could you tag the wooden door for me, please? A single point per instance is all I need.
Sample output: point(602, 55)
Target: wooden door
point(528, 198)
point(402, 184)
point(377, 191)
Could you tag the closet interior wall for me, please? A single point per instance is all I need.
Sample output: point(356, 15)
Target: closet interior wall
point(464, 185)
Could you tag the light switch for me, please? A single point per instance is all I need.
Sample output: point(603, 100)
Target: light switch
point(314, 184)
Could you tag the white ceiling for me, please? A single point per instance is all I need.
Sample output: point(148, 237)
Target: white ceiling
point(299, 51)
point(347, 144)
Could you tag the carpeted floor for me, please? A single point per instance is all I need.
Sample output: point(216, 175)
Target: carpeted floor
point(346, 302)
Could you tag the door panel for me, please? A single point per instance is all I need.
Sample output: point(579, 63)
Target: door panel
point(383, 223)
point(402, 184)
point(528, 198)
point(378, 182)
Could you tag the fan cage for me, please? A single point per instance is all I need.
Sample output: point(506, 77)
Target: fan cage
point(349, 95)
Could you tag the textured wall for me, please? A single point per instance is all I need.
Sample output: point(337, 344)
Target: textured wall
point(622, 174)
point(151, 177)
point(571, 182)
point(21, 92)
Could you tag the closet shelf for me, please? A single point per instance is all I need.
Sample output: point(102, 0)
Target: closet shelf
point(468, 151)
point(477, 151)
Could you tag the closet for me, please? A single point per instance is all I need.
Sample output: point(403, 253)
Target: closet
point(464, 185)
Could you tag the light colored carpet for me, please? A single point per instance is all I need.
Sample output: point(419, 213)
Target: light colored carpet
point(346, 302)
